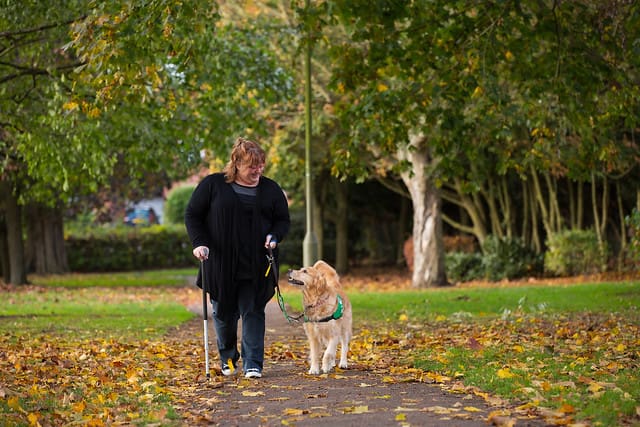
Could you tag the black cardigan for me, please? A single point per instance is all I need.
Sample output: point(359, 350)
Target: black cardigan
point(211, 218)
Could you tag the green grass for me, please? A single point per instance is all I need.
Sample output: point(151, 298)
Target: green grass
point(141, 320)
point(424, 304)
point(175, 277)
point(80, 305)
point(429, 303)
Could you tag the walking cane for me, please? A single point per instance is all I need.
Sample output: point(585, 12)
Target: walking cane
point(205, 317)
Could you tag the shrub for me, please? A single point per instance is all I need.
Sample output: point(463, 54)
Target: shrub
point(176, 204)
point(572, 252)
point(129, 248)
point(463, 266)
point(633, 222)
point(508, 258)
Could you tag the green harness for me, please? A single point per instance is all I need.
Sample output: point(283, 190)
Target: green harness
point(335, 316)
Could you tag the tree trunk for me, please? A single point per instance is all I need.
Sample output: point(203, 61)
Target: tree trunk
point(15, 248)
point(401, 234)
point(580, 205)
point(623, 234)
point(472, 205)
point(599, 218)
point(549, 208)
point(46, 253)
point(342, 226)
point(533, 210)
point(4, 250)
point(428, 247)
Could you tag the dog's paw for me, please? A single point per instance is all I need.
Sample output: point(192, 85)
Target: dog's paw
point(343, 365)
point(326, 368)
point(314, 371)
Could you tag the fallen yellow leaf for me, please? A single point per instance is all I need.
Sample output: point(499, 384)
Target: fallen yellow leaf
point(441, 410)
point(356, 410)
point(78, 407)
point(594, 387)
point(567, 408)
point(252, 393)
point(505, 373)
point(33, 420)
point(14, 403)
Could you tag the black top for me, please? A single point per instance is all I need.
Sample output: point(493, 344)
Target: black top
point(247, 196)
point(233, 224)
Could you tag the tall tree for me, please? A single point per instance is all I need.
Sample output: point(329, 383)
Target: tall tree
point(463, 93)
point(149, 85)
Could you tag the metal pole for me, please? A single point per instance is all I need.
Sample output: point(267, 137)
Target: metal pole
point(310, 243)
point(205, 316)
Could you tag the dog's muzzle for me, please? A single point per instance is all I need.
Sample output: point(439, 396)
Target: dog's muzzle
point(294, 281)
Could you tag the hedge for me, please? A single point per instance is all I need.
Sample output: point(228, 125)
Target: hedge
point(102, 249)
point(129, 249)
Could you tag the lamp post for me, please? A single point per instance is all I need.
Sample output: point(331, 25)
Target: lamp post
point(310, 242)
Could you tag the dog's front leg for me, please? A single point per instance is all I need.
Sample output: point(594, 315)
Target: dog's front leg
point(344, 350)
point(314, 355)
point(329, 358)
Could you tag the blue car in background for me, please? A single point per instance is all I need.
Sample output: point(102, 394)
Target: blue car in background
point(140, 216)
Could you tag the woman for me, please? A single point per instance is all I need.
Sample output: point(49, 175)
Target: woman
point(231, 219)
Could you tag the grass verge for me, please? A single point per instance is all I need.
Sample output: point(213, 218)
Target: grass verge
point(570, 353)
point(169, 277)
point(86, 354)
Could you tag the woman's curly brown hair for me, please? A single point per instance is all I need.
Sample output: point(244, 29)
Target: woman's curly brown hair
point(244, 151)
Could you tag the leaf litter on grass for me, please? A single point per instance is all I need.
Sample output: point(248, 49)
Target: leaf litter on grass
point(51, 380)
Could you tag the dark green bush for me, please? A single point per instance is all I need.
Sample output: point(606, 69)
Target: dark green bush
point(633, 222)
point(291, 251)
point(129, 248)
point(505, 258)
point(93, 249)
point(463, 266)
point(176, 203)
point(572, 252)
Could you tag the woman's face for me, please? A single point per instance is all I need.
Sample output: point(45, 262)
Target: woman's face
point(249, 174)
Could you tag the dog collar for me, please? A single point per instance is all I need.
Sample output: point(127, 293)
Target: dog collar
point(335, 316)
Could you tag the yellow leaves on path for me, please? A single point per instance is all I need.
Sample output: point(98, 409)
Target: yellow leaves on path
point(362, 409)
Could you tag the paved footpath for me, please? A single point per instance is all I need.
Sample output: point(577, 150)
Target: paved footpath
point(357, 396)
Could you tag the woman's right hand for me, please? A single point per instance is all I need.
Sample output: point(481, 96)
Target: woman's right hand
point(201, 252)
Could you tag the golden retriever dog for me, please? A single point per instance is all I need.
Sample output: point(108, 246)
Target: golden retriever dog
point(327, 315)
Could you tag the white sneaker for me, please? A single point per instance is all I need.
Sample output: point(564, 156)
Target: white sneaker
point(226, 370)
point(253, 373)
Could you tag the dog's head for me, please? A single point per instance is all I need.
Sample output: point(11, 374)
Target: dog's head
point(320, 286)
point(315, 280)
